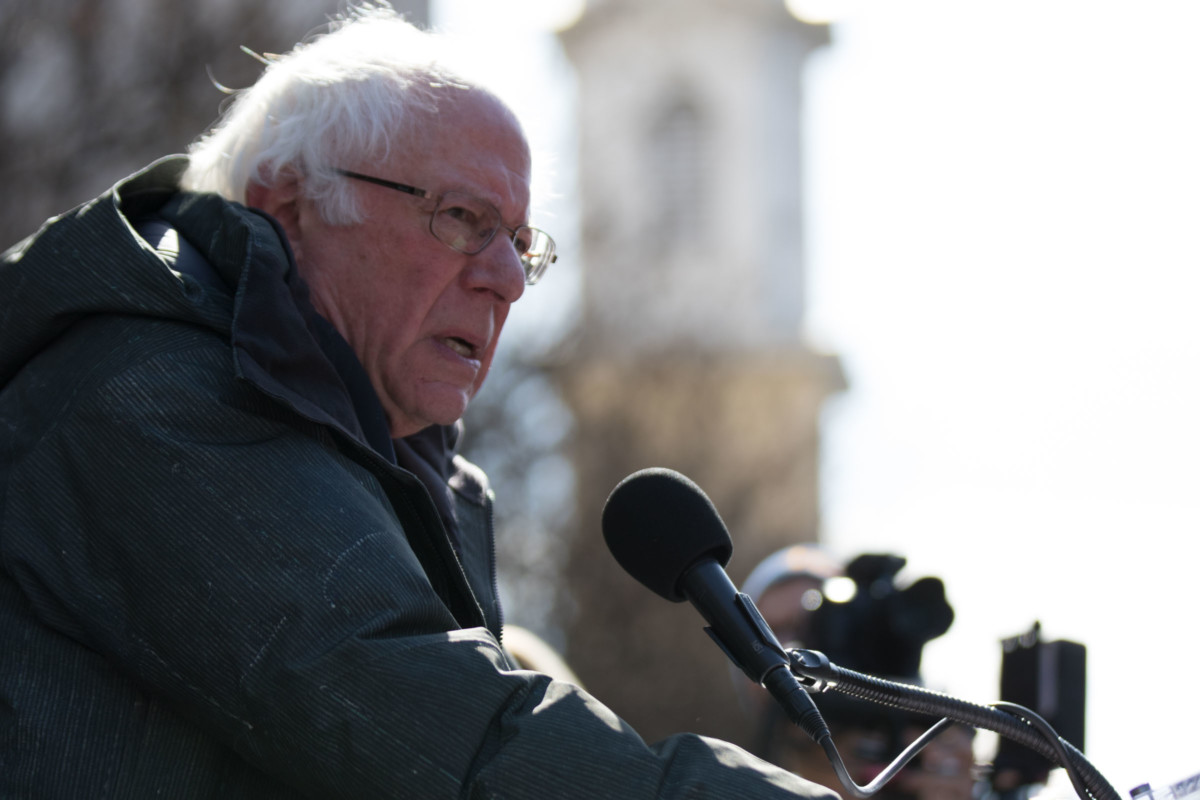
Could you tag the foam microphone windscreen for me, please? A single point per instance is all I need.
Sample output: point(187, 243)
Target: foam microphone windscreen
point(657, 524)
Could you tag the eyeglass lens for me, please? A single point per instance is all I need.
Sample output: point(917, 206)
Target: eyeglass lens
point(467, 224)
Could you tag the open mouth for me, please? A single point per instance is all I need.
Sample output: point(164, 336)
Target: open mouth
point(461, 346)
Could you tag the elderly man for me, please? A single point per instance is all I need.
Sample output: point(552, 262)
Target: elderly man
point(240, 558)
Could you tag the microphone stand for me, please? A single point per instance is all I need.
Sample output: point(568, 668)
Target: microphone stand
point(816, 674)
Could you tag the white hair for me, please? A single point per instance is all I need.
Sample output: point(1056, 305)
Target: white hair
point(351, 92)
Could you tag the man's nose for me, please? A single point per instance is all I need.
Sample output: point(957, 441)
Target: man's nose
point(498, 269)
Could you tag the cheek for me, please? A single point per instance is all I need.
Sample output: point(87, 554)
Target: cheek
point(398, 291)
point(501, 316)
point(486, 360)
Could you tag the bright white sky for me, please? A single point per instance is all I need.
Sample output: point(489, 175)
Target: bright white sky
point(1004, 222)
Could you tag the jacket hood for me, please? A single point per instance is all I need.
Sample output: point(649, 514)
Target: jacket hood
point(90, 261)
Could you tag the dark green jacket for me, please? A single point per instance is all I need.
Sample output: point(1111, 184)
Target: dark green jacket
point(215, 584)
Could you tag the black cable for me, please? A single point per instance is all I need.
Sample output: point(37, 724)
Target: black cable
point(1049, 734)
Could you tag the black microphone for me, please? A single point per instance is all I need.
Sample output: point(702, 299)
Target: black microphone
point(665, 532)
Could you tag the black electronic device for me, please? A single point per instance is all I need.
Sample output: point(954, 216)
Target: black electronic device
point(1051, 679)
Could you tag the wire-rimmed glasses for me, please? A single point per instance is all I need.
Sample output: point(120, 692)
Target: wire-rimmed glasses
point(468, 224)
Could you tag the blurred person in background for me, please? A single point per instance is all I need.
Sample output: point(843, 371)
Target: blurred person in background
point(239, 556)
point(860, 618)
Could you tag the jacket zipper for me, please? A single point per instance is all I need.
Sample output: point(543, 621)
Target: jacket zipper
point(491, 529)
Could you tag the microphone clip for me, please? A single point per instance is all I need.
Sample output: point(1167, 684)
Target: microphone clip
point(812, 669)
point(765, 651)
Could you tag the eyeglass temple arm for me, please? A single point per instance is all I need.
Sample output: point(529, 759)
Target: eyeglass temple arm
point(399, 187)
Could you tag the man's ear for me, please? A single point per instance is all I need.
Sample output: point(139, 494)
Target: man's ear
point(280, 196)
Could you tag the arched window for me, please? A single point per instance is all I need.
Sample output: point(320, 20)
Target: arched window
point(678, 179)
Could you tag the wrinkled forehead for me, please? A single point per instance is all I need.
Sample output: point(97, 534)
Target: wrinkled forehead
point(473, 142)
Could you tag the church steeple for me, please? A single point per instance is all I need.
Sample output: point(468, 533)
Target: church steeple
point(690, 172)
point(691, 352)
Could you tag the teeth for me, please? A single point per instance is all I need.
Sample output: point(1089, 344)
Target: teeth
point(460, 347)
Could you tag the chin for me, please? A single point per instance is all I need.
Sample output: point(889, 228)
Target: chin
point(438, 404)
point(446, 413)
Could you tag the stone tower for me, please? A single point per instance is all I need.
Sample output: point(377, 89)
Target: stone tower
point(690, 353)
